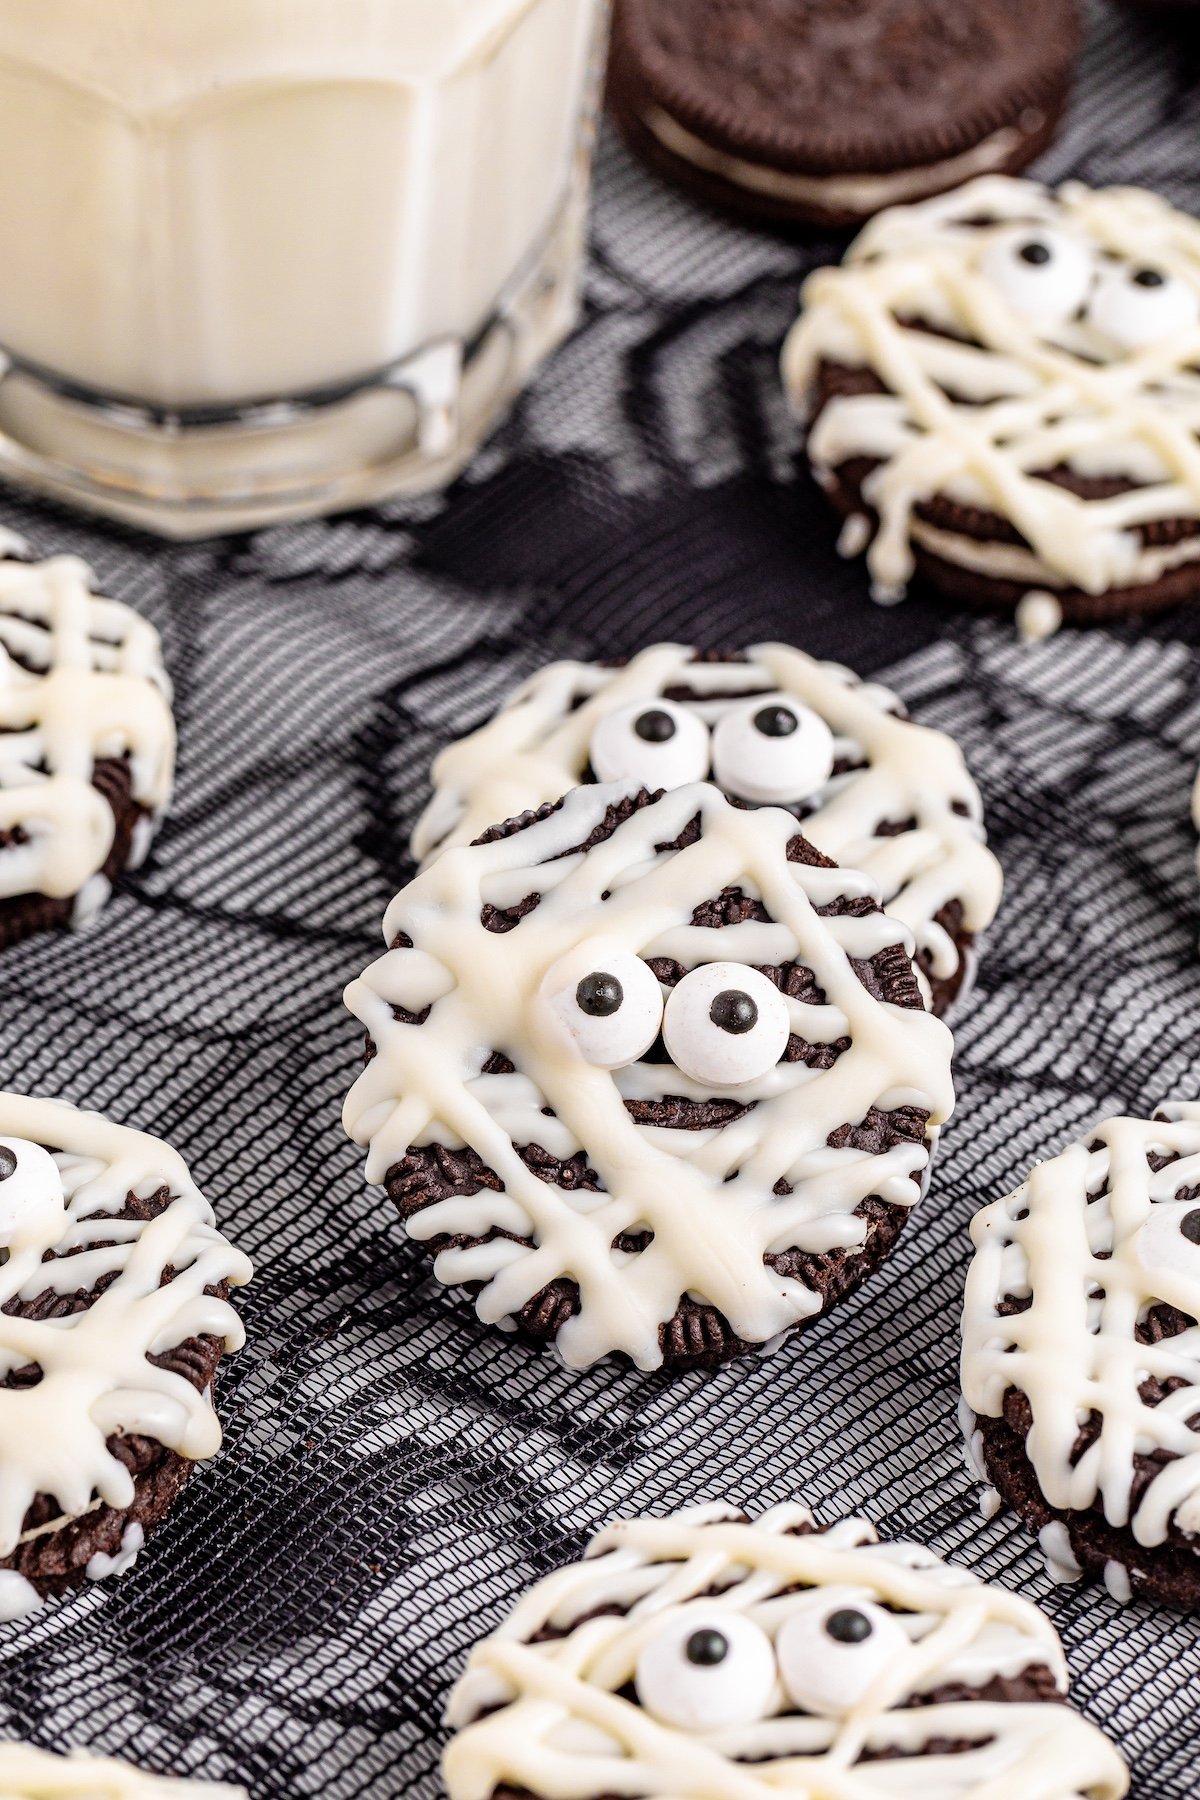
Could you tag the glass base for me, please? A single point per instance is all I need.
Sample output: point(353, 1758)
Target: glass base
point(409, 429)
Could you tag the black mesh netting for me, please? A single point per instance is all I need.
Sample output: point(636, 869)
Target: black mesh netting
point(395, 1473)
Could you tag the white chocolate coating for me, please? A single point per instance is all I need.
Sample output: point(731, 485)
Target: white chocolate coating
point(97, 1378)
point(94, 687)
point(1098, 1246)
point(30, 1774)
point(538, 746)
point(562, 1730)
point(1011, 390)
point(707, 1195)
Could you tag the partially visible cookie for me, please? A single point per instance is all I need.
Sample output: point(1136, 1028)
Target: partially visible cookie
point(815, 112)
point(770, 726)
point(87, 743)
point(706, 1654)
point(649, 1075)
point(1081, 1356)
point(27, 1773)
point(1003, 395)
point(113, 1318)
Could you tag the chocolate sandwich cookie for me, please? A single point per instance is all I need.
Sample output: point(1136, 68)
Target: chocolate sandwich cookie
point(113, 1318)
point(87, 743)
point(708, 1655)
point(770, 726)
point(1003, 395)
point(1081, 1372)
point(821, 112)
point(27, 1773)
point(615, 1048)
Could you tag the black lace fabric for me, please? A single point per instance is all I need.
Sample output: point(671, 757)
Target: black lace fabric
point(395, 1473)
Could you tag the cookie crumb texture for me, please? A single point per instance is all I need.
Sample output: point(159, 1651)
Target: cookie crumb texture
point(1003, 385)
point(648, 1074)
point(27, 1773)
point(770, 726)
point(1080, 1367)
point(803, 112)
point(113, 1318)
point(769, 1657)
point(87, 744)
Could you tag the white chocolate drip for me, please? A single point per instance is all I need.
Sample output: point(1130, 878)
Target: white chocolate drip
point(81, 679)
point(30, 1774)
point(537, 747)
point(97, 1378)
point(562, 1730)
point(1093, 1241)
point(708, 1196)
point(976, 420)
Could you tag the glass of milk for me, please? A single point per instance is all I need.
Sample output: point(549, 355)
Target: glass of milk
point(270, 258)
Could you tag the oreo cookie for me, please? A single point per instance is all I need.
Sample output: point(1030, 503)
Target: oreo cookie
point(822, 112)
point(615, 1048)
point(1081, 1377)
point(105, 1378)
point(87, 743)
point(1001, 388)
point(706, 1653)
point(770, 726)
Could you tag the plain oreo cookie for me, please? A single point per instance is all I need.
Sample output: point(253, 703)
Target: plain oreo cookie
point(821, 112)
point(604, 1214)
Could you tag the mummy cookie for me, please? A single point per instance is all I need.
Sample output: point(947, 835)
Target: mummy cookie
point(113, 1318)
point(87, 743)
point(708, 1656)
point(771, 727)
point(30, 1774)
point(1081, 1356)
point(1003, 394)
point(648, 1076)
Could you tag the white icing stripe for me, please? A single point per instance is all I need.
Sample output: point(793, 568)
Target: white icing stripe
point(708, 1196)
point(1027, 395)
point(30, 1774)
point(96, 1375)
point(547, 1714)
point(94, 688)
point(1093, 1241)
point(539, 745)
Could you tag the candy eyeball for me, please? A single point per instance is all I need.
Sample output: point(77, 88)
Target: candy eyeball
point(706, 1670)
point(725, 1024)
point(31, 1189)
point(1137, 304)
point(831, 1651)
point(1169, 1241)
point(772, 751)
point(656, 742)
point(1044, 275)
point(608, 1001)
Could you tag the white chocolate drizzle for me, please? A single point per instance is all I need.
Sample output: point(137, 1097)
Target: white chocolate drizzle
point(81, 679)
point(976, 407)
point(1092, 1241)
point(538, 745)
point(27, 1773)
point(97, 1378)
point(708, 1195)
point(541, 1708)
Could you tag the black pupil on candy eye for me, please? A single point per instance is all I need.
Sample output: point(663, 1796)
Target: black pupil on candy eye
point(599, 995)
point(848, 1626)
point(655, 727)
point(1035, 252)
point(8, 1163)
point(1189, 1225)
point(706, 1648)
point(1148, 278)
point(775, 721)
point(734, 1012)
